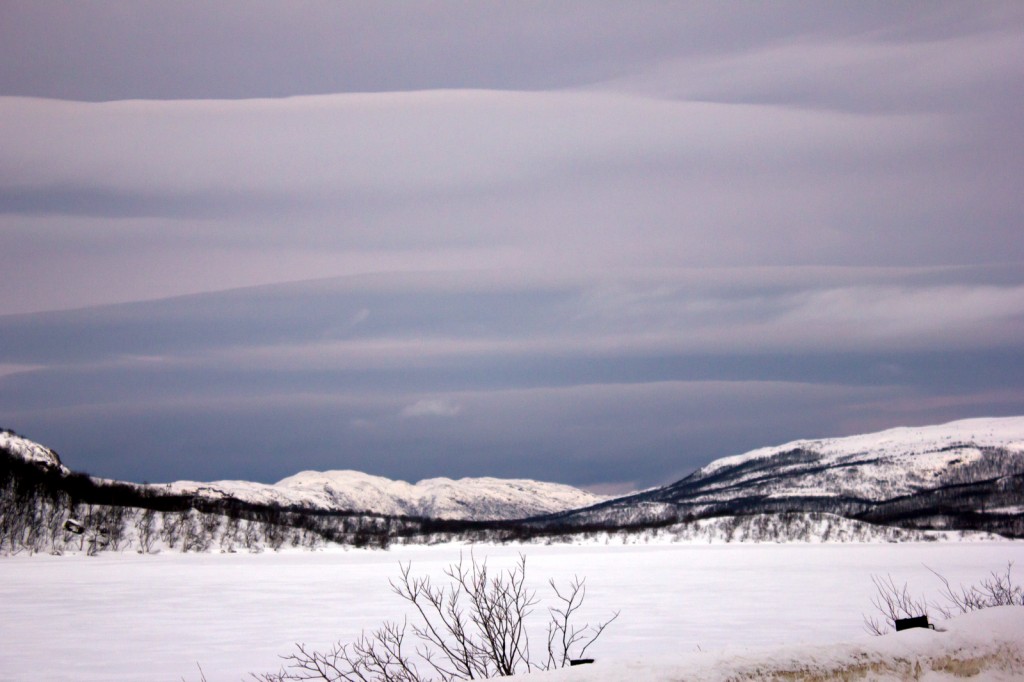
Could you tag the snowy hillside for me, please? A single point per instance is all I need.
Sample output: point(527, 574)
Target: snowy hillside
point(466, 498)
point(933, 476)
point(30, 451)
point(875, 466)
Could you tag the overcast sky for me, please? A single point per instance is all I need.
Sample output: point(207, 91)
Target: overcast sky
point(600, 243)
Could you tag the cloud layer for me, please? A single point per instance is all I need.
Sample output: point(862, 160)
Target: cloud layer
point(586, 243)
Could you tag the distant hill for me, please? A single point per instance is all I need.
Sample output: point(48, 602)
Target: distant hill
point(481, 499)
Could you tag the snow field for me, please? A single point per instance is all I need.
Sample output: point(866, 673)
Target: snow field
point(133, 617)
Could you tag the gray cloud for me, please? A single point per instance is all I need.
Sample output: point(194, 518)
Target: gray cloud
point(592, 242)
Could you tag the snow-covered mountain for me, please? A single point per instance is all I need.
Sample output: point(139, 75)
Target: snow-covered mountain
point(974, 465)
point(466, 498)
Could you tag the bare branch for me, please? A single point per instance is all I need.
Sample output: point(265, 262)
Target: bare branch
point(471, 627)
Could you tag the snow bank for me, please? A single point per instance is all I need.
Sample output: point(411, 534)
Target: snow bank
point(988, 644)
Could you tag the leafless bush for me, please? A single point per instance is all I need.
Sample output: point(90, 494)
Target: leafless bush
point(379, 655)
point(191, 534)
point(998, 589)
point(472, 626)
point(563, 635)
point(145, 530)
point(895, 602)
point(231, 535)
point(172, 527)
point(251, 536)
point(210, 524)
point(115, 521)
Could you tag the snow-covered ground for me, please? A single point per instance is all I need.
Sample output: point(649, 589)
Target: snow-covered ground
point(985, 645)
point(133, 617)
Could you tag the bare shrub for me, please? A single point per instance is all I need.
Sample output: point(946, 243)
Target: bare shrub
point(564, 637)
point(231, 535)
point(210, 524)
point(895, 602)
point(379, 655)
point(145, 530)
point(115, 521)
point(172, 527)
point(998, 589)
point(472, 626)
point(191, 534)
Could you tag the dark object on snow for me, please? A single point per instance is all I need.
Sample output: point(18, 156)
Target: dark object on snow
point(580, 661)
point(73, 526)
point(918, 622)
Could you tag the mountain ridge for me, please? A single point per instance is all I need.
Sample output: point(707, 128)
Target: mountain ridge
point(966, 474)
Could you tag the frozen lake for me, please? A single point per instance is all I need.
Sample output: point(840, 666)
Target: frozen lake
point(131, 617)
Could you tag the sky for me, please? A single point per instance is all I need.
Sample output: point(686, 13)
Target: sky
point(599, 243)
